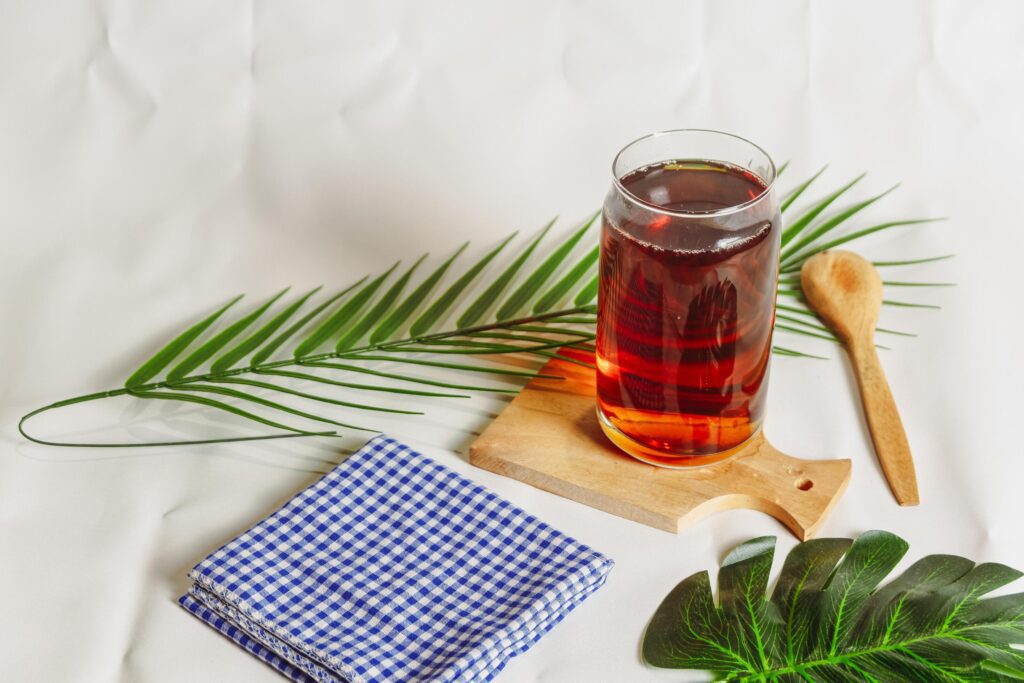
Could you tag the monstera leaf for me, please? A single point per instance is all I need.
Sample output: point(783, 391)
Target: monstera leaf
point(828, 620)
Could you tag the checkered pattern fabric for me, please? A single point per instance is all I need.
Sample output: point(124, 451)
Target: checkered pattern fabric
point(393, 568)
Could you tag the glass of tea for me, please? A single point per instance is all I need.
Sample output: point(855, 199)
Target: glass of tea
point(688, 277)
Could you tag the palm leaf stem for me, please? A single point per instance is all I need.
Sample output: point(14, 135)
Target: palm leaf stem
point(567, 359)
point(355, 385)
point(396, 376)
point(148, 390)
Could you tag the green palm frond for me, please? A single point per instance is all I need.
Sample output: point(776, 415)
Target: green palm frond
point(476, 310)
point(526, 291)
point(367, 336)
point(816, 229)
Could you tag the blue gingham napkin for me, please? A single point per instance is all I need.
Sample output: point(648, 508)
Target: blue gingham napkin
point(393, 568)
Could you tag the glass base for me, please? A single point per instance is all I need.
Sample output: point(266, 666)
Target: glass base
point(651, 456)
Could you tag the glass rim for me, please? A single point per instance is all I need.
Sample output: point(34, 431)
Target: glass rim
point(769, 183)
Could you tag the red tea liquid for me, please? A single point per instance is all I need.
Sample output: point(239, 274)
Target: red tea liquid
point(686, 310)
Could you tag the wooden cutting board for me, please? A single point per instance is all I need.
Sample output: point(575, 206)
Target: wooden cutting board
point(549, 437)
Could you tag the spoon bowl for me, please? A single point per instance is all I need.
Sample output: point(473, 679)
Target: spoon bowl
point(845, 290)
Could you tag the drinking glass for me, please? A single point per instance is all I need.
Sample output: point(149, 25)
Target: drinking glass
point(688, 276)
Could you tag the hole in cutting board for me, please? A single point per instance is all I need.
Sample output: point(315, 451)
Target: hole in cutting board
point(804, 484)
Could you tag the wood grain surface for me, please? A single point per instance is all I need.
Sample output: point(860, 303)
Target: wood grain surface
point(549, 437)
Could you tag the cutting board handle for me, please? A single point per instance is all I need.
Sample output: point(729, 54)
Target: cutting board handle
point(799, 493)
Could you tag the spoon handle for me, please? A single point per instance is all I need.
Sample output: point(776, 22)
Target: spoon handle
point(887, 432)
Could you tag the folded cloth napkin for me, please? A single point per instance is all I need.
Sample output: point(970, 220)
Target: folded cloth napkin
point(393, 568)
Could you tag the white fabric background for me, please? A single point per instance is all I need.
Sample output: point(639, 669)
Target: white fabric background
point(159, 157)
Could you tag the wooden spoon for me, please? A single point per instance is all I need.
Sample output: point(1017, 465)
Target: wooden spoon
point(846, 291)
